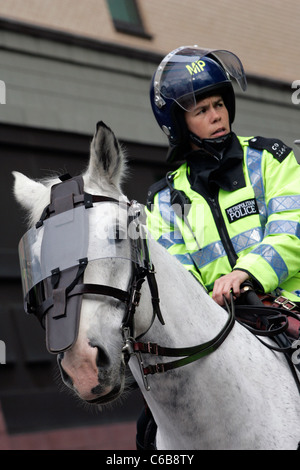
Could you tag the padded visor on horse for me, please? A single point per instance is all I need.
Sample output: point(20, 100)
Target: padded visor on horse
point(54, 255)
point(65, 250)
point(62, 319)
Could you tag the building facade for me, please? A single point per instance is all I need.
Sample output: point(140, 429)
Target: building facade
point(65, 65)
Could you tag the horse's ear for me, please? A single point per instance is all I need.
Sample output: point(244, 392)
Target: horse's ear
point(27, 191)
point(107, 158)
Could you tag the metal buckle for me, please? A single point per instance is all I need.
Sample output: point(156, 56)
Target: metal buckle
point(285, 303)
point(151, 269)
point(135, 297)
point(152, 348)
point(138, 355)
point(128, 350)
point(159, 368)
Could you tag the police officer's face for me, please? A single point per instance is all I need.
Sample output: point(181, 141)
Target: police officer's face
point(209, 119)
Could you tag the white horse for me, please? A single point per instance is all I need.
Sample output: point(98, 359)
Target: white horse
point(241, 396)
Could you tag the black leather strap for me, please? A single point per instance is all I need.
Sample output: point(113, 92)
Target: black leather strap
point(191, 353)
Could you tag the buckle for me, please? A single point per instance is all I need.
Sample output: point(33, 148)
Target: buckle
point(135, 297)
point(159, 368)
point(285, 303)
point(152, 348)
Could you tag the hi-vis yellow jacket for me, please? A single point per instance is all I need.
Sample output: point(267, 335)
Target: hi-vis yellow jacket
point(255, 228)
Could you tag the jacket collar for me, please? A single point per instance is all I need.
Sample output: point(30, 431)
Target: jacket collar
point(207, 173)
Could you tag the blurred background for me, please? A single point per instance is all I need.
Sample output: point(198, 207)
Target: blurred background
point(65, 65)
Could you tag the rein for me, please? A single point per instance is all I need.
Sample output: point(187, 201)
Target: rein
point(187, 354)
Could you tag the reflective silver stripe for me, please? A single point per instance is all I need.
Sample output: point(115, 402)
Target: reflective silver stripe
point(284, 203)
point(170, 239)
point(283, 226)
point(246, 239)
point(269, 254)
point(208, 254)
point(255, 174)
point(184, 259)
point(216, 250)
point(165, 208)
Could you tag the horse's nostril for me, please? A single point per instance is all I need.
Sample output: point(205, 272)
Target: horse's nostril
point(102, 358)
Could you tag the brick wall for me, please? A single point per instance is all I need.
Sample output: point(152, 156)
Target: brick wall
point(120, 436)
point(265, 34)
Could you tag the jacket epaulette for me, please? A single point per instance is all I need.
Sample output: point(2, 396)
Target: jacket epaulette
point(275, 146)
point(154, 189)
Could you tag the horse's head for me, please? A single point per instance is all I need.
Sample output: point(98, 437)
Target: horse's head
point(86, 336)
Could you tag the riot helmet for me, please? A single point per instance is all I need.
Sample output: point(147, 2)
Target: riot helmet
point(186, 75)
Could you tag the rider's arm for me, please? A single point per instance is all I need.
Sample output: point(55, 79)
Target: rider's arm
point(277, 257)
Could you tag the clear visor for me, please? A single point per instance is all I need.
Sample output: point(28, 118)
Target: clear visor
point(63, 240)
point(170, 71)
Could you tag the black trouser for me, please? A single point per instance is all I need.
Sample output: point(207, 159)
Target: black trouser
point(146, 430)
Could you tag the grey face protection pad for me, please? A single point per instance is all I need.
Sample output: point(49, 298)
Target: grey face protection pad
point(62, 328)
point(54, 254)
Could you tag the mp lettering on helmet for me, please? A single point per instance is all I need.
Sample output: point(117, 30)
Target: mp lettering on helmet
point(196, 67)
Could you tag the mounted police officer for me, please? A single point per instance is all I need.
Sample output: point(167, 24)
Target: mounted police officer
point(231, 211)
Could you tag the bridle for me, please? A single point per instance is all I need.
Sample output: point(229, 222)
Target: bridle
point(58, 299)
point(187, 355)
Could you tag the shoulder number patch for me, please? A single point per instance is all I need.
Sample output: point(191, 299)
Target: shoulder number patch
point(275, 146)
point(241, 210)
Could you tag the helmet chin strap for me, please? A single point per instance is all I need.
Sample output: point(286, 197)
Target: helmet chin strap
point(214, 147)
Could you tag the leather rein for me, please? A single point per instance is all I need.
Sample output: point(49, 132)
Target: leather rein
point(187, 354)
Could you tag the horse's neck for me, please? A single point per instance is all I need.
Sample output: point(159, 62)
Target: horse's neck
point(191, 317)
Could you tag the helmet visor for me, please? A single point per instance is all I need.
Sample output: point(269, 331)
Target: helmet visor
point(99, 232)
point(175, 76)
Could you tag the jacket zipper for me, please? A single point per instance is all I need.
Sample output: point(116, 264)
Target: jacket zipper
point(221, 227)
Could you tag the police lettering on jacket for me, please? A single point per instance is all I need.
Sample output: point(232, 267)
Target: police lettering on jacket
point(241, 210)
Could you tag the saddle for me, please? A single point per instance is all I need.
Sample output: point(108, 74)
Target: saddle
point(265, 312)
point(287, 308)
point(277, 318)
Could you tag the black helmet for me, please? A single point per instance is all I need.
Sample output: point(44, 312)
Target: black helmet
point(185, 75)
